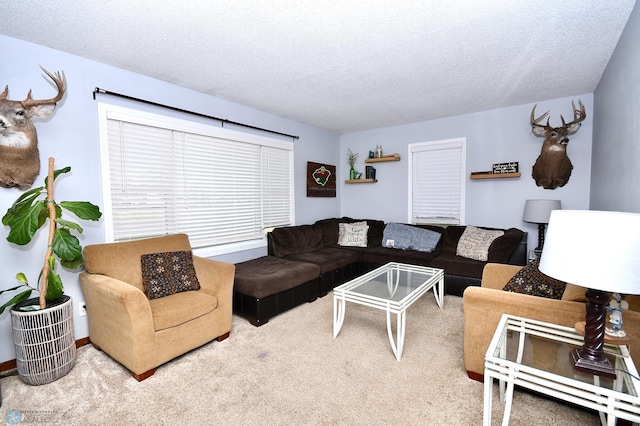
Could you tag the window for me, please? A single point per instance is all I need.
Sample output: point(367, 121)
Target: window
point(436, 182)
point(164, 175)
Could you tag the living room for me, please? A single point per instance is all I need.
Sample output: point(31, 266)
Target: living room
point(604, 152)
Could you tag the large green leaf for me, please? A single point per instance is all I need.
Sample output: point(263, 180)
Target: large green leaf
point(54, 282)
point(73, 263)
point(24, 226)
point(21, 205)
point(11, 289)
point(16, 299)
point(65, 245)
point(56, 173)
point(68, 224)
point(83, 209)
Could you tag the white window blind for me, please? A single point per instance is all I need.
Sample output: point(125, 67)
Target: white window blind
point(437, 182)
point(213, 184)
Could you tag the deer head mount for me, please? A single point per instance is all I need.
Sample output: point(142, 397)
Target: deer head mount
point(19, 156)
point(553, 167)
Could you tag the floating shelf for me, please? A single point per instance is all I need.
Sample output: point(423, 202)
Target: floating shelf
point(394, 157)
point(495, 175)
point(361, 181)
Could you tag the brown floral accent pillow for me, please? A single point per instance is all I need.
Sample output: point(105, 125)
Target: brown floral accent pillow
point(529, 280)
point(167, 273)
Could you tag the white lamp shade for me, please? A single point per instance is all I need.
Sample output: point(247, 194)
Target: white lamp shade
point(594, 249)
point(538, 211)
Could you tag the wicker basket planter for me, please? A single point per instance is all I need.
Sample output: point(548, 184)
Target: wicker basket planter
point(44, 340)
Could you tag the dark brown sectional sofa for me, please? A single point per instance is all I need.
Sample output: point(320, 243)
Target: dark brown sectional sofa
point(317, 245)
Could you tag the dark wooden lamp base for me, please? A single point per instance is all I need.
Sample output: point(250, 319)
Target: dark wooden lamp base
point(590, 358)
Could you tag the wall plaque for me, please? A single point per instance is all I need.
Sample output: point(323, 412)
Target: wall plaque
point(321, 180)
point(511, 167)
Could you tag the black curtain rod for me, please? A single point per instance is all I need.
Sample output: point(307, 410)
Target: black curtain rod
point(223, 120)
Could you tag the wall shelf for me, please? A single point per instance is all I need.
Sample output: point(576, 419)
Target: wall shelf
point(494, 175)
point(361, 181)
point(394, 157)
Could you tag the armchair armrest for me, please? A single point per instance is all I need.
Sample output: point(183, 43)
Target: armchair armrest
point(496, 275)
point(216, 279)
point(120, 320)
point(483, 308)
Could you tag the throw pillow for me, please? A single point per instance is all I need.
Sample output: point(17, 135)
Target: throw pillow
point(407, 237)
point(529, 280)
point(474, 242)
point(167, 273)
point(353, 234)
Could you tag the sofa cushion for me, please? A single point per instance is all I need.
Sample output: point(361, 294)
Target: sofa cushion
point(269, 275)
point(167, 273)
point(407, 237)
point(474, 242)
point(329, 229)
point(457, 265)
point(180, 308)
point(296, 239)
point(529, 280)
point(382, 255)
point(500, 250)
point(503, 247)
point(327, 258)
point(353, 234)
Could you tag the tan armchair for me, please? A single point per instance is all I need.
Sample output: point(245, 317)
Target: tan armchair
point(484, 306)
point(142, 334)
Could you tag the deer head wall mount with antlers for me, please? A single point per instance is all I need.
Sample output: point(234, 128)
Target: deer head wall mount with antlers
point(553, 167)
point(19, 156)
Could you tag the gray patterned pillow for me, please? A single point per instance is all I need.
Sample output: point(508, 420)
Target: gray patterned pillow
point(167, 273)
point(475, 242)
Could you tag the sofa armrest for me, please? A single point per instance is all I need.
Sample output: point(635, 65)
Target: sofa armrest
point(120, 319)
point(496, 275)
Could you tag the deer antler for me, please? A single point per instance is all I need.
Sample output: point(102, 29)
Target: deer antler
point(578, 115)
point(61, 82)
point(536, 121)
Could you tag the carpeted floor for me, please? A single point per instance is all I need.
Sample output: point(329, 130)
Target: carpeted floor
point(291, 371)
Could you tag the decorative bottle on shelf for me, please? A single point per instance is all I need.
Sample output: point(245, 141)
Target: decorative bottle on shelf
point(378, 151)
point(352, 174)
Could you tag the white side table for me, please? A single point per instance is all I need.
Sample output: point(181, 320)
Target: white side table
point(535, 355)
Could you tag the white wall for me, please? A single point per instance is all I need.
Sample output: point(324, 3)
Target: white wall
point(616, 137)
point(494, 136)
point(71, 136)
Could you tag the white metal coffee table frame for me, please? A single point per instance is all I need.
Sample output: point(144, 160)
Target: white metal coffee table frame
point(611, 403)
point(347, 292)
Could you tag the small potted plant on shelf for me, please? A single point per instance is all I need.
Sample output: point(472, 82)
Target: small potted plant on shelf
point(351, 160)
point(45, 322)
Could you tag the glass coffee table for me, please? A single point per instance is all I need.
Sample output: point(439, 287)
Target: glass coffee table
point(392, 288)
point(535, 355)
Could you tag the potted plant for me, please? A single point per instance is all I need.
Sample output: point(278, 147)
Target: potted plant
point(351, 160)
point(48, 319)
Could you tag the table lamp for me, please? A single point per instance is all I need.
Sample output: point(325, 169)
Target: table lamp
point(600, 251)
point(538, 211)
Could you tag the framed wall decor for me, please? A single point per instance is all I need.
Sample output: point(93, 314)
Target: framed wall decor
point(321, 180)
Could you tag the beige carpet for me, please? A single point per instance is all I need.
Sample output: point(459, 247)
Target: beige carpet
point(291, 372)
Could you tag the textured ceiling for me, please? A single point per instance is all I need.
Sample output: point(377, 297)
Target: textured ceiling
point(342, 65)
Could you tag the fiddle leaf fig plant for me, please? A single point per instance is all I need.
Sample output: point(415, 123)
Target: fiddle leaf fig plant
point(29, 213)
